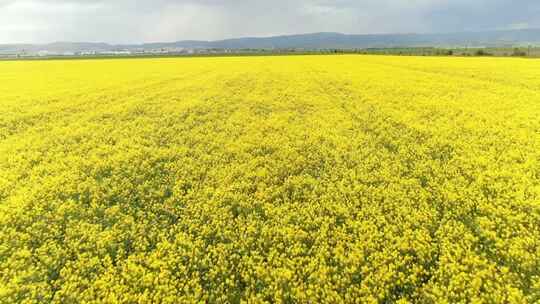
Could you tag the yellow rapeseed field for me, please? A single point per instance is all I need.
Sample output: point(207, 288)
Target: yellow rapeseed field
point(294, 179)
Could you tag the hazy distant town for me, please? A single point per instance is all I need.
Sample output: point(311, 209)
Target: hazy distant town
point(523, 42)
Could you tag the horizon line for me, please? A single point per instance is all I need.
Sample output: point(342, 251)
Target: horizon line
point(265, 37)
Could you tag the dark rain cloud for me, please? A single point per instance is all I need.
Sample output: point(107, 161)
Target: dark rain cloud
point(123, 21)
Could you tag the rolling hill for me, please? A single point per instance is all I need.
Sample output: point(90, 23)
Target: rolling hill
point(307, 41)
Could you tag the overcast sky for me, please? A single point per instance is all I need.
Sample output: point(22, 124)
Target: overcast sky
point(135, 21)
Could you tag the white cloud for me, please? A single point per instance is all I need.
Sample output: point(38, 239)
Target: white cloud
point(125, 21)
point(518, 26)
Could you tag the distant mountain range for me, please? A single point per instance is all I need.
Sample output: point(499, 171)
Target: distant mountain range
point(305, 41)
